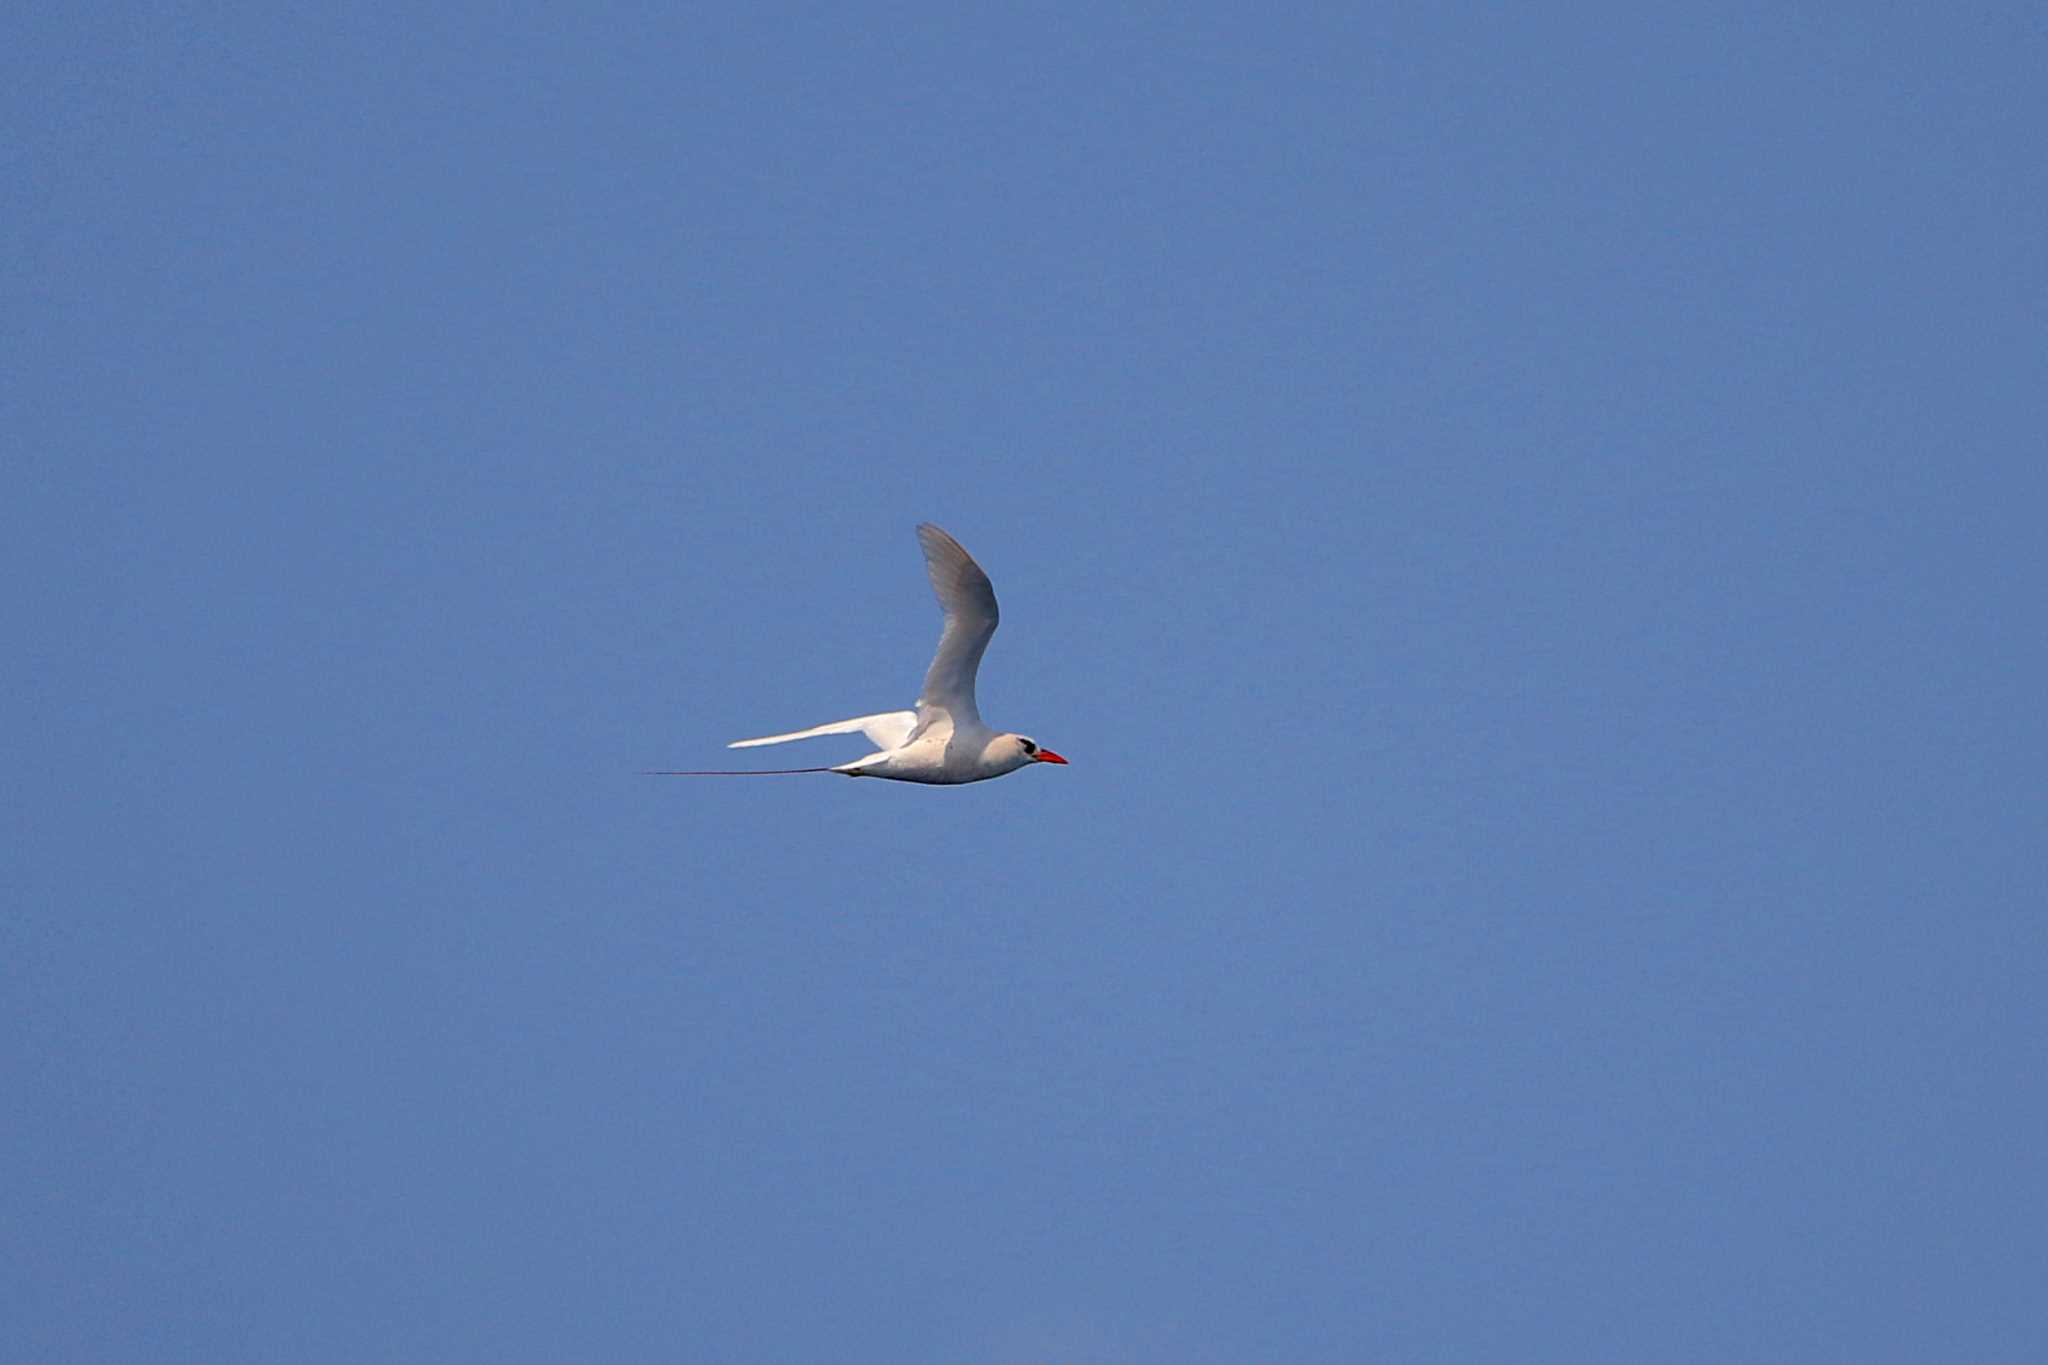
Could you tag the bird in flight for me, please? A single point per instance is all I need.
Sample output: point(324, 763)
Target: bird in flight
point(943, 741)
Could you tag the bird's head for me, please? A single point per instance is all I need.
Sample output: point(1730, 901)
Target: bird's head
point(1028, 750)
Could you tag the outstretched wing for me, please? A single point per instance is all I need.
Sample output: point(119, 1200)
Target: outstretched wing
point(969, 601)
point(886, 731)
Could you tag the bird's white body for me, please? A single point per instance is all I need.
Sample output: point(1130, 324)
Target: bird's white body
point(943, 741)
point(961, 755)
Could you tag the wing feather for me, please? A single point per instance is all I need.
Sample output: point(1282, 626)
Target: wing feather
point(887, 731)
point(969, 601)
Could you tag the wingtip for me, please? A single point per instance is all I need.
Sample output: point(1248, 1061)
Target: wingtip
point(941, 547)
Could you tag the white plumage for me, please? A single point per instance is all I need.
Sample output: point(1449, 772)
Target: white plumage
point(944, 740)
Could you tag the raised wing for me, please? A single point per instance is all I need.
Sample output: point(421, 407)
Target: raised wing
point(969, 601)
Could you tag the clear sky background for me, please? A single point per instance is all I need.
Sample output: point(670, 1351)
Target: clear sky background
point(1527, 522)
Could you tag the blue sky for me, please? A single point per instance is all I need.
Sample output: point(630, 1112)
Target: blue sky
point(1526, 522)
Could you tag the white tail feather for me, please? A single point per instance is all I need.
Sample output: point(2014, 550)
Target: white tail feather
point(887, 731)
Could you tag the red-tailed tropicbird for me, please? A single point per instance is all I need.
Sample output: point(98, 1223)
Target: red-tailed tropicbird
point(943, 741)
